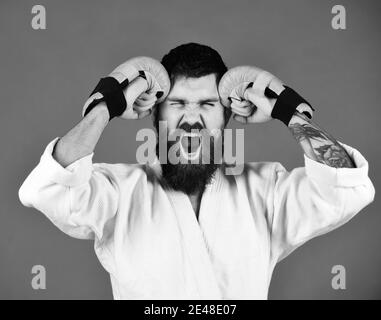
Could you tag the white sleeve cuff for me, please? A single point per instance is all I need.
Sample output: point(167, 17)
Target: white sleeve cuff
point(75, 174)
point(345, 177)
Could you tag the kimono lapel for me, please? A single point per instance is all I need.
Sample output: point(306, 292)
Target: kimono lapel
point(195, 243)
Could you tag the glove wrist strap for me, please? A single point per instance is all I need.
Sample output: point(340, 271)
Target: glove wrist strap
point(113, 95)
point(286, 104)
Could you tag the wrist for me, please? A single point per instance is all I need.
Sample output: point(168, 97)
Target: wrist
point(298, 118)
point(100, 113)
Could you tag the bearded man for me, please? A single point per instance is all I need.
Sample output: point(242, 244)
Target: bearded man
point(190, 230)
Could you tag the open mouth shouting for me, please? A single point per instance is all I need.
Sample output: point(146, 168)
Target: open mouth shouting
point(190, 145)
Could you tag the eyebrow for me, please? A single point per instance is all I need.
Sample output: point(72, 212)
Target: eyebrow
point(178, 99)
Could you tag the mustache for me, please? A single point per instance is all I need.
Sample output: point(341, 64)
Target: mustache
point(188, 127)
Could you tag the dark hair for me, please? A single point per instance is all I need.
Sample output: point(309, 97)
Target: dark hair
point(193, 60)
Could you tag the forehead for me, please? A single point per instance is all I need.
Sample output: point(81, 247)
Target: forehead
point(205, 86)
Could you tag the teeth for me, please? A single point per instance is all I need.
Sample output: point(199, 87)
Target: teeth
point(191, 134)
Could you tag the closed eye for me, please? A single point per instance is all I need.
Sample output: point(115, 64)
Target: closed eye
point(209, 102)
point(176, 104)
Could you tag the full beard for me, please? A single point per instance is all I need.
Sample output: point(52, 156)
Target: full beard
point(190, 177)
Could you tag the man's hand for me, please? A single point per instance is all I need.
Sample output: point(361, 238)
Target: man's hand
point(252, 94)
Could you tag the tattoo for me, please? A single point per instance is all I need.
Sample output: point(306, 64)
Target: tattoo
point(318, 144)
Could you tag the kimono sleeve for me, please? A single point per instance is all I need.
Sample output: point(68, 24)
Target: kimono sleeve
point(311, 201)
point(81, 199)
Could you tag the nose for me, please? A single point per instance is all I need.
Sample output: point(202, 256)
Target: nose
point(192, 114)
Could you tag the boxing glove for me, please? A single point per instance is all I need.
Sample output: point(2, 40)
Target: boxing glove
point(255, 95)
point(132, 89)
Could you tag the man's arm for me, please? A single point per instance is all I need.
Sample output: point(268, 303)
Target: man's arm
point(81, 199)
point(304, 202)
point(82, 139)
point(317, 144)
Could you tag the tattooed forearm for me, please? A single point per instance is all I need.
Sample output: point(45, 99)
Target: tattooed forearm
point(318, 144)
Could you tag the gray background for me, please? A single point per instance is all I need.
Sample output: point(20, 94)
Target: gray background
point(47, 75)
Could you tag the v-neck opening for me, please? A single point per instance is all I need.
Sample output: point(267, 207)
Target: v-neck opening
point(198, 207)
point(194, 238)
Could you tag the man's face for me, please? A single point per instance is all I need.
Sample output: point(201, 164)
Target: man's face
point(192, 103)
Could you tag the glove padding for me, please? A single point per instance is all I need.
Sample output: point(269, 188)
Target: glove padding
point(283, 101)
point(132, 89)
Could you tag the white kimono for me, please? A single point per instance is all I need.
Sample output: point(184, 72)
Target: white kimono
point(153, 246)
